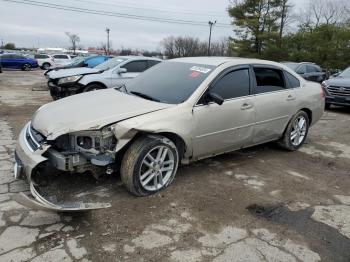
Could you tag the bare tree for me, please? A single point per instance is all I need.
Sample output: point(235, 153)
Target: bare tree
point(74, 39)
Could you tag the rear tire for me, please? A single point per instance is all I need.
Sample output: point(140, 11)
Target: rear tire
point(296, 132)
point(92, 87)
point(149, 165)
point(26, 67)
point(45, 66)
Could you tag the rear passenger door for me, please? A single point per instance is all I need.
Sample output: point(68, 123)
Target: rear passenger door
point(275, 102)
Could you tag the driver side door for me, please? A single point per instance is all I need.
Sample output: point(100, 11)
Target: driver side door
point(226, 127)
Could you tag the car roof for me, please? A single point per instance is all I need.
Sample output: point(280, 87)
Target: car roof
point(140, 57)
point(217, 61)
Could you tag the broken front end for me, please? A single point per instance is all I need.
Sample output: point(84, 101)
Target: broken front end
point(78, 152)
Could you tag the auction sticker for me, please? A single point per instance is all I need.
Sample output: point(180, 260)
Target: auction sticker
point(200, 69)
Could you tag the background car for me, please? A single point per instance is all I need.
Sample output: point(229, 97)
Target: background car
point(62, 59)
point(308, 71)
point(15, 61)
point(338, 89)
point(114, 72)
point(44, 61)
point(90, 62)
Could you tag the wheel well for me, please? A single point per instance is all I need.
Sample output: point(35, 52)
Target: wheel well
point(309, 114)
point(178, 141)
point(97, 83)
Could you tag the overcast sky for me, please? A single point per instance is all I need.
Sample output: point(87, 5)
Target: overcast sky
point(30, 26)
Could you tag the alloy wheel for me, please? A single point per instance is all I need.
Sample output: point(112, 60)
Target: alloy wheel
point(299, 129)
point(157, 168)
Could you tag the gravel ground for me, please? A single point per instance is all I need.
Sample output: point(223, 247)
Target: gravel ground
point(259, 204)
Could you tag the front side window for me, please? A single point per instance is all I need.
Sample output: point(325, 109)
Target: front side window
point(311, 69)
point(60, 56)
point(302, 69)
point(41, 56)
point(136, 66)
point(268, 80)
point(233, 84)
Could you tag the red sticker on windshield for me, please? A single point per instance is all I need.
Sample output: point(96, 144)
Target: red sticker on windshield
point(194, 74)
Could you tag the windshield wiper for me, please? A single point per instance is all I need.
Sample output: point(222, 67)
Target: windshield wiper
point(144, 96)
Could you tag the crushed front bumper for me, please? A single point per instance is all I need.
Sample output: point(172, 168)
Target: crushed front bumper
point(26, 159)
point(58, 92)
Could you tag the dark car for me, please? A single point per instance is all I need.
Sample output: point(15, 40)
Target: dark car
point(15, 61)
point(308, 71)
point(338, 89)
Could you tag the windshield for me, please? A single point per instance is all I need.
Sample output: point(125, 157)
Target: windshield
point(111, 63)
point(291, 65)
point(345, 73)
point(169, 82)
point(77, 60)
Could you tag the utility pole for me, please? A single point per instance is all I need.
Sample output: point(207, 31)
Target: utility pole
point(107, 30)
point(2, 43)
point(211, 24)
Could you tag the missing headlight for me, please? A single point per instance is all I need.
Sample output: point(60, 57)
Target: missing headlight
point(84, 142)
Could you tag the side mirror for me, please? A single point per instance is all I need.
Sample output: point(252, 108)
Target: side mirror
point(121, 70)
point(212, 97)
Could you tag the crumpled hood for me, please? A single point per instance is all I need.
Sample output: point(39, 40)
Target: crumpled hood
point(71, 72)
point(90, 111)
point(339, 81)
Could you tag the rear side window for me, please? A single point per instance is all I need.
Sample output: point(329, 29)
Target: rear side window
point(268, 80)
point(136, 66)
point(233, 84)
point(5, 57)
point(292, 80)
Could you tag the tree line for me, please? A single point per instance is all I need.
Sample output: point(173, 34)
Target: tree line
point(276, 30)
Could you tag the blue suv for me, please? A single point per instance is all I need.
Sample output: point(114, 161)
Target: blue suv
point(16, 61)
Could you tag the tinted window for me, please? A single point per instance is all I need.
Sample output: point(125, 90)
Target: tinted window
point(268, 80)
point(170, 82)
point(41, 56)
point(136, 66)
point(18, 57)
point(311, 69)
point(152, 63)
point(292, 80)
point(301, 69)
point(60, 56)
point(5, 56)
point(233, 84)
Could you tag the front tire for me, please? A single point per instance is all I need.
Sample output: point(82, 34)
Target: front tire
point(296, 132)
point(149, 165)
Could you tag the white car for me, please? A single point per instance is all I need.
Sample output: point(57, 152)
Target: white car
point(114, 72)
point(62, 59)
point(44, 61)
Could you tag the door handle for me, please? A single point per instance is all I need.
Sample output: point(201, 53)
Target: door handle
point(290, 98)
point(246, 106)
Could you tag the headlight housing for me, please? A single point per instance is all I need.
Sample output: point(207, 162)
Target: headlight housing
point(69, 79)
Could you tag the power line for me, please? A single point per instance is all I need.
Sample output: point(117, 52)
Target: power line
point(113, 14)
point(153, 9)
point(206, 14)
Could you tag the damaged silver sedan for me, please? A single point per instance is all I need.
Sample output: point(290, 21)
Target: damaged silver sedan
point(178, 111)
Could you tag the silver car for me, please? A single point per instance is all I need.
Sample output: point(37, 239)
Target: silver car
point(179, 111)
